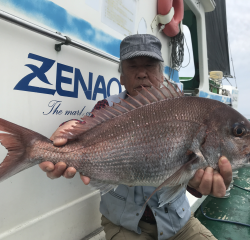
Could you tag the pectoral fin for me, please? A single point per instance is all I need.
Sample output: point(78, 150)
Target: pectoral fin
point(179, 179)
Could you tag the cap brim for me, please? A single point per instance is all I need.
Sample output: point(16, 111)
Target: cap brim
point(142, 54)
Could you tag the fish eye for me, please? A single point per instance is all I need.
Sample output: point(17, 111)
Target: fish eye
point(238, 130)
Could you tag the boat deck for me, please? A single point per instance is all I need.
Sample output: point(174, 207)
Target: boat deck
point(235, 208)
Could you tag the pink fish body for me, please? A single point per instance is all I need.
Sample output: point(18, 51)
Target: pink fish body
point(158, 138)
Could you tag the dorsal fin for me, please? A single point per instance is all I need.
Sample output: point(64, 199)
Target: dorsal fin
point(176, 91)
point(120, 107)
point(127, 104)
point(151, 96)
point(157, 93)
point(143, 99)
point(146, 96)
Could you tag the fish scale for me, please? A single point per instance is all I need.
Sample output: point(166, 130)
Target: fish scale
point(119, 146)
point(139, 128)
point(158, 141)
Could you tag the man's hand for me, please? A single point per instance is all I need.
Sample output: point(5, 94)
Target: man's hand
point(210, 181)
point(60, 169)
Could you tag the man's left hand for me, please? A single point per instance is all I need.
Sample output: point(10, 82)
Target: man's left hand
point(210, 181)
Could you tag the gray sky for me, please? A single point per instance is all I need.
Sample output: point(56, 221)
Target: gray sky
point(238, 23)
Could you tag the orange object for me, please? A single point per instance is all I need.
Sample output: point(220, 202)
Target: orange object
point(163, 7)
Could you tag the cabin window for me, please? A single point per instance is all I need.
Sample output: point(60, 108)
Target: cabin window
point(187, 71)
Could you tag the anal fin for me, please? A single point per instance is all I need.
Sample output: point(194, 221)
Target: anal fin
point(102, 186)
point(171, 194)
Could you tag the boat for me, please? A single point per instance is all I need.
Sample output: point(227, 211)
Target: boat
point(58, 58)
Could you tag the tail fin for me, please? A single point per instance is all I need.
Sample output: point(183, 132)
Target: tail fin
point(17, 140)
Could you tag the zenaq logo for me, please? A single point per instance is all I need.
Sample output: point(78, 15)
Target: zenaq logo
point(77, 80)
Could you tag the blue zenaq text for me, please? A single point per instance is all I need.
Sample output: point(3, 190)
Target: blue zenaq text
point(100, 86)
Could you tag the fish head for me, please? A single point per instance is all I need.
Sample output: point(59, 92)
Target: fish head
point(228, 134)
point(238, 143)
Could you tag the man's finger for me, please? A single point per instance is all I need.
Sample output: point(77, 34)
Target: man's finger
point(85, 179)
point(70, 172)
point(225, 170)
point(47, 166)
point(196, 180)
point(219, 188)
point(205, 187)
point(58, 171)
point(60, 141)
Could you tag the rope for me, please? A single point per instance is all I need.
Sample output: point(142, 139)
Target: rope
point(219, 220)
point(177, 53)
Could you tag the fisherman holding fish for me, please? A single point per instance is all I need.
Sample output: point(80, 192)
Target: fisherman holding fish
point(141, 67)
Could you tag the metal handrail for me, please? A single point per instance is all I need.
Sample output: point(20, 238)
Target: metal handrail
point(56, 36)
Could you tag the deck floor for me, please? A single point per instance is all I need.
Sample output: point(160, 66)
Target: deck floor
point(235, 208)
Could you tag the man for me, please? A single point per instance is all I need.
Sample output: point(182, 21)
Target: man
point(141, 65)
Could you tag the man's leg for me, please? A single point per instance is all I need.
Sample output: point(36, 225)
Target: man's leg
point(114, 232)
point(193, 230)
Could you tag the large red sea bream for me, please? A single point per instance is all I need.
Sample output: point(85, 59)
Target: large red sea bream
point(158, 138)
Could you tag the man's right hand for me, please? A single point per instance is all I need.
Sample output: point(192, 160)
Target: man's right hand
point(60, 169)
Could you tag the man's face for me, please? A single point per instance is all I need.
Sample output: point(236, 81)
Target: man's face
point(140, 71)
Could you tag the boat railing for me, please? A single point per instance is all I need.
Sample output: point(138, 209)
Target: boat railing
point(64, 40)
